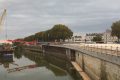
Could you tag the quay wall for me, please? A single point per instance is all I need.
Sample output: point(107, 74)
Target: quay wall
point(34, 48)
point(98, 66)
point(56, 56)
point(98, 69)
point(58, 52)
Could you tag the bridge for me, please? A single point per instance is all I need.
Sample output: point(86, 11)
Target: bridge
point(111, 49)
point(92, 61)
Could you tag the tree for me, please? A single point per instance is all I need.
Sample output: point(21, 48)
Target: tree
point(116, 30)
point(39, 36)
point(60, 31)
point(97, 38)
point(30, 38)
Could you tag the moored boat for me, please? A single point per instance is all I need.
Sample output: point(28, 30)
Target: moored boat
point(6, 49)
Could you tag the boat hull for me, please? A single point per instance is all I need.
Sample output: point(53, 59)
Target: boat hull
point(6, 52)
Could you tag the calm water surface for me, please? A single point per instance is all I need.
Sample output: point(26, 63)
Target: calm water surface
point(26, 65)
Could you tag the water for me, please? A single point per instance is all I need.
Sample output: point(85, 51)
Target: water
point(26, 65)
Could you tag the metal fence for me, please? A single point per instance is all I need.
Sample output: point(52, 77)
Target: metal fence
point(112, 49)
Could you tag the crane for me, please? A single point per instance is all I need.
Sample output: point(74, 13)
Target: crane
point(2, 18)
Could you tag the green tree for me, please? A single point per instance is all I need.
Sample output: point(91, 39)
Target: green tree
point(116, 30)
point(60, 31)
point(47, 35)
point(39, 36)
point(97, 38)
point(30, 38)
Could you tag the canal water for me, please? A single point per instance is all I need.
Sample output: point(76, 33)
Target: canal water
point(29, 65)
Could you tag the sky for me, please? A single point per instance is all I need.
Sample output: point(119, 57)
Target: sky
point(26, 17)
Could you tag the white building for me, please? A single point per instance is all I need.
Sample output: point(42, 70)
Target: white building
point(89, 37)
point(75, 39)
point(108, 38)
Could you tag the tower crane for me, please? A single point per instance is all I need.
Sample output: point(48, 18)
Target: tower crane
point(2, 18)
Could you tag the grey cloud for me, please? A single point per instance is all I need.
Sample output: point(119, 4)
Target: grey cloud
point(25, 17)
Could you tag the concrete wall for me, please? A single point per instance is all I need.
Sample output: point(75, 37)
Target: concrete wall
point(58, 52)
point(33, 48)
point(97, 68)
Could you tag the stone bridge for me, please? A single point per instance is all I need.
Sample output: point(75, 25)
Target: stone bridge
point(92, 62)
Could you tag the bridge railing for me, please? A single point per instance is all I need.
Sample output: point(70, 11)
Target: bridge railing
point(112, 49)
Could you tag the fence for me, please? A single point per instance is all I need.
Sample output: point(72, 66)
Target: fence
point(112, 49)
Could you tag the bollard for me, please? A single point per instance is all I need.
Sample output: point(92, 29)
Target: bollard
point(88, 47)
point(105, 49)
point(111, 49)
point(84, 47)
point(101, 49)
point(117, 51)
point(97, 49)
point(94, 48)
point(91, 48)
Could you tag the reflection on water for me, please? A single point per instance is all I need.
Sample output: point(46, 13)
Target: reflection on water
point(27, 65)
point(18, 52)
point(6, 59)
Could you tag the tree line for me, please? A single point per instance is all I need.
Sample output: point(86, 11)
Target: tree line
point(56, 33)
point(115, 31)
point(62, 32)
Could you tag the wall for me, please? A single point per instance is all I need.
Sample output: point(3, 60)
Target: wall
point(98, 69)
point(34, 48)
point(58, 52)
point(98, 66)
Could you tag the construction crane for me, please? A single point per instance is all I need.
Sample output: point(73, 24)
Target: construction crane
point(2, 18)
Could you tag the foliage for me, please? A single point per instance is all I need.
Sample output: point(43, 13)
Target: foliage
point(39, 36)
point(116, 29)
point(30, 38)
point(97, 38)
point(18, 52)
point(58, 32)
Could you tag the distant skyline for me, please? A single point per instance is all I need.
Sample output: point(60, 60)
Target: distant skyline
point(26, 17)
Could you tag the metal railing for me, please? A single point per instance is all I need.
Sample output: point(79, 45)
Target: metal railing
point(112, 49)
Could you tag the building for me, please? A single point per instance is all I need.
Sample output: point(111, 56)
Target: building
point(107, 38)
point(75, 39)
point(89, 37)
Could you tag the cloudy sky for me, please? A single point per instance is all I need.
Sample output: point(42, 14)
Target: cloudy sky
point(26, 17)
